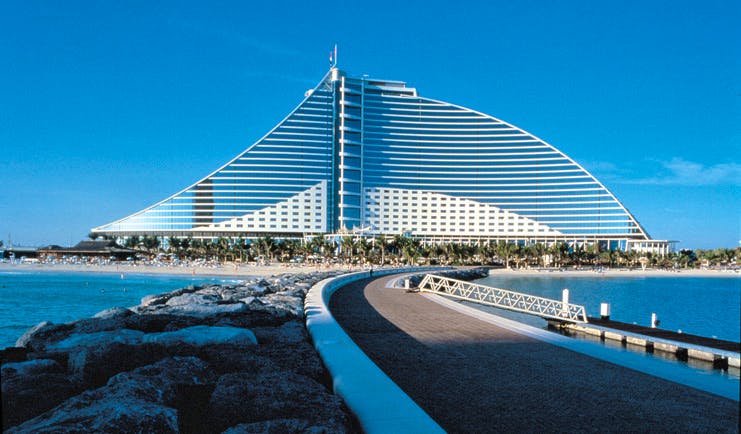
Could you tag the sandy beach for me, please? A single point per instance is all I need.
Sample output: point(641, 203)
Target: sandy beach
point(231, 270)
point(221, 270)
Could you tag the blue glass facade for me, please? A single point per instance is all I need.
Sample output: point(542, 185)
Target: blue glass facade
point(368, 155)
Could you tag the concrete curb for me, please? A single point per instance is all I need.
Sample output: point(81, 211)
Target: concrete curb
point(378, 403)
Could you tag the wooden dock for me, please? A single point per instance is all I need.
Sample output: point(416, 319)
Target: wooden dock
point(722, 354)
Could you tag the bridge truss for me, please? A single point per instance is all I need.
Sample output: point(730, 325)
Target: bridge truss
point(504, 299)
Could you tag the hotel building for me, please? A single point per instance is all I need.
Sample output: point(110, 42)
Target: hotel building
point(369, 157)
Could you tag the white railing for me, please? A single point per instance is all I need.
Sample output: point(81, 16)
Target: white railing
point(503, 298)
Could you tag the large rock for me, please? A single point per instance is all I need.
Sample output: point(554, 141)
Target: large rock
point(93, 366)
point(195, 298)
point(114, 312)
point(45, 337)
point(32, 367)
point(245, 398)
point(157, 299)
point(280, 426)
point(98, 339)
point(299, 357)
point(164, 378)
point(27, 396)
point(14, 354)
point(103, 413)
point(225, 359)
point(155, 323)
point(201, 311)
point(143, 400)
point(291, 332)
point(203, 335)
point(34, 332)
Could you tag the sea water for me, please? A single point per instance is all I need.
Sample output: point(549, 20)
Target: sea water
point(28, 298)
point(705, 306)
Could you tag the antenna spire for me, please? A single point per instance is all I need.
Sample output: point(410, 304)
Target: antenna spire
point(333, 57)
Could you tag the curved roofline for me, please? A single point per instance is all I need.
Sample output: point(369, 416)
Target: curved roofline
point(306, 98)
point(630, 215)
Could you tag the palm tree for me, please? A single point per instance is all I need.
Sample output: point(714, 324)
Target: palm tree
point(410, 251)
point(364, 248)
point(132, 242)
point(265, 246)
point(539, 250)
point(347, 246)
point(382, 241)
point(504, 251)
point(559, 251)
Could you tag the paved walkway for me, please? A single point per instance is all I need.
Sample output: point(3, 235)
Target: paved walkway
point(471, 376)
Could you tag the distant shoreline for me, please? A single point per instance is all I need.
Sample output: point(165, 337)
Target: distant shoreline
point(245, 271)
point(614, 272)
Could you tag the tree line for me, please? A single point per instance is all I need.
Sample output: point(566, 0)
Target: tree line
point(402, 250)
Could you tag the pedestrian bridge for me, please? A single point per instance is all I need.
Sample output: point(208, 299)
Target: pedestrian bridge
point(504, 299)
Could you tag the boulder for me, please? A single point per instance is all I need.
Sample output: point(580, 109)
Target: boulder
point(290, 332)
point(246, 398)
point(93, 366)
point(155, 322)
point(203, 335)
point(279, 426)
point(279, 305)
point(142, 400)
point(32, 367)
point(32, 333)
point(14, 354)
point(103, 413)
point(200, 297)
point(152, 300)
point(225, 359)
point(163, 378)
point(98, 339)
point(114, 312)
point(27, 396)
point(299, 357)
point(203, 310)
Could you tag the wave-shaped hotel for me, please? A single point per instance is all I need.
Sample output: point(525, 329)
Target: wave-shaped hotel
point(370, 157)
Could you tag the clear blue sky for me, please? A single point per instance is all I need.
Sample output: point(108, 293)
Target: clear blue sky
point(107, 107)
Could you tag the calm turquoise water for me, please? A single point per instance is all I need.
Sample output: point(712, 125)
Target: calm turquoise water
point(698, 305)
point(26, 299)
point(703, 306)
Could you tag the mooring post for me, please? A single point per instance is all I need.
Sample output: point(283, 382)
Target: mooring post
point(654, 321)
point(604, 310)
point(565, 300)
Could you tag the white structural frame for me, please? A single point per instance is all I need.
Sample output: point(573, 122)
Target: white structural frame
point(503, 298)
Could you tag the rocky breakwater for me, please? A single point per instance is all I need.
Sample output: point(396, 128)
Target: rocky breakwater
point(218, 358)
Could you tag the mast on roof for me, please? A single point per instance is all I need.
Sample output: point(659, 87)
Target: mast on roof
point(333, 57)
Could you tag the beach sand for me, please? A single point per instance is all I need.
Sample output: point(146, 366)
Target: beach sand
point(231, 270)
point(127, 268)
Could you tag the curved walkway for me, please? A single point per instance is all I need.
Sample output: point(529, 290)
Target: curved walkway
point(472, 376)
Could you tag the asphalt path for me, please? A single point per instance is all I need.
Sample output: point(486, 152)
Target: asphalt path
point(472, 376)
